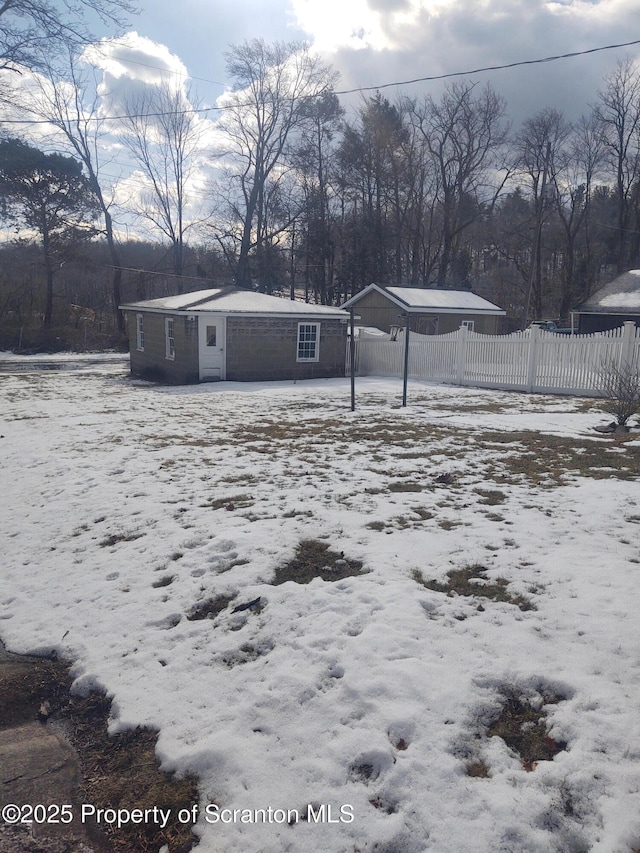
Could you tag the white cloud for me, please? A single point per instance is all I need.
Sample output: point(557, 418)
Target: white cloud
point(131, 66)
point(359, 24)
point(375, 42)
point(137, 58)
point(335, 24)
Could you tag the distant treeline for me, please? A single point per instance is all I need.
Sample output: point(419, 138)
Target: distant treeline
point(430, 192)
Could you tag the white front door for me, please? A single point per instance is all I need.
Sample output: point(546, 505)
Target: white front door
point(212, 344)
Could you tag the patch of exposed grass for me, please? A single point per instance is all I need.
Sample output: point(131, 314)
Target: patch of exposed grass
point(297, 513)
point(209, 608)
point(422, 513)
point(114, 538)
point(372, 433)
point(551, 460)
point(448, 524)
point(403, 521)
point(469, 408)
point(472, 581)
point(159, 442)
point(521, 725)
point(491, 497)
point(477, 769)
point(404, 486)
point(314, 559)
point(247, 653)
point(363, 771)
point(229, 503)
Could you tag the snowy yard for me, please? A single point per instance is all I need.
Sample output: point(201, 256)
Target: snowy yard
point(128, 510)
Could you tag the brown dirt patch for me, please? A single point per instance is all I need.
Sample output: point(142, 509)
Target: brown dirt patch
point(116, 772)
point(521, 725)
point(314, 559)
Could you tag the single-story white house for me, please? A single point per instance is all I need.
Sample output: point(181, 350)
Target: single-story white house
point(234, 334)
point(431, 311)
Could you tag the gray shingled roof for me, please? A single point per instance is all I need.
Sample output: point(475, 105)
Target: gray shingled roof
point(230, 300)
point(620, 296)
point(417, 299)
point(450, 300)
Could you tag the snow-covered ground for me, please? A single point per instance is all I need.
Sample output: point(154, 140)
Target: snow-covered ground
point(125, 504)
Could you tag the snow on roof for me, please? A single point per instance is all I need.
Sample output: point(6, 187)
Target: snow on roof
point(432, 299)
point(450, 300)
point(620, 296)
point(233, 301)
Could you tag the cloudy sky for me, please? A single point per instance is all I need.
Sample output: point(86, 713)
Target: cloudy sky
point(375, 42)
point(371, 43)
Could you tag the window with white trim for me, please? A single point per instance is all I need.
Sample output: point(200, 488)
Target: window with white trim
point(308, 342)
point(139, 331)
point(468, 325)
point(170, 344)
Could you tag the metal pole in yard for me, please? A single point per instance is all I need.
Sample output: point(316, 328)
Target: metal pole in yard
point(405, 374)
point(352, 352)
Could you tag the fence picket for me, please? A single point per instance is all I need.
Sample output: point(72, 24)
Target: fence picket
point(534, 361)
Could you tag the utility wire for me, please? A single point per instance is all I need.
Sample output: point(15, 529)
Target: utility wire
point(481, 70)
point(489, 68)
point(403, 82)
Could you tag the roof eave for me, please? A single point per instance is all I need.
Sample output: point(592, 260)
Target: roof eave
point(138, 309)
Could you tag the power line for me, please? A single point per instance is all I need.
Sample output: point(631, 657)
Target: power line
point(417, 79)
point(488, 68)
point(432, 78)
point(169, 71)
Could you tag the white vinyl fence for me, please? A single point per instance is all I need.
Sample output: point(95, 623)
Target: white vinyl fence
point(533, 361)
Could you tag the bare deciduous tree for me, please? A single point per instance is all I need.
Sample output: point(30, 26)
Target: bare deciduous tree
point(573, 193)
point(162, 133)
point(540, 154)
point(464, 133)
point(263, 113)
point(617, 112)
point(32, 30)
point(70, 104)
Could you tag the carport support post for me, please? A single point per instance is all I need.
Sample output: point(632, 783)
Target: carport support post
point(352, 353)
point(405, 372)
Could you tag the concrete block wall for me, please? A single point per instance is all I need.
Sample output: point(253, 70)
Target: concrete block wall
point(152, 363)
point(263, 348)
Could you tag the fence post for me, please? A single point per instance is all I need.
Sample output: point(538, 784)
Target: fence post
point(461, 351)
point(626, 348)
point(532, 361)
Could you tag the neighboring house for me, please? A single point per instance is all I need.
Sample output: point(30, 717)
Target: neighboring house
point(431, 311)
point(230, 333)
point(610, 307)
